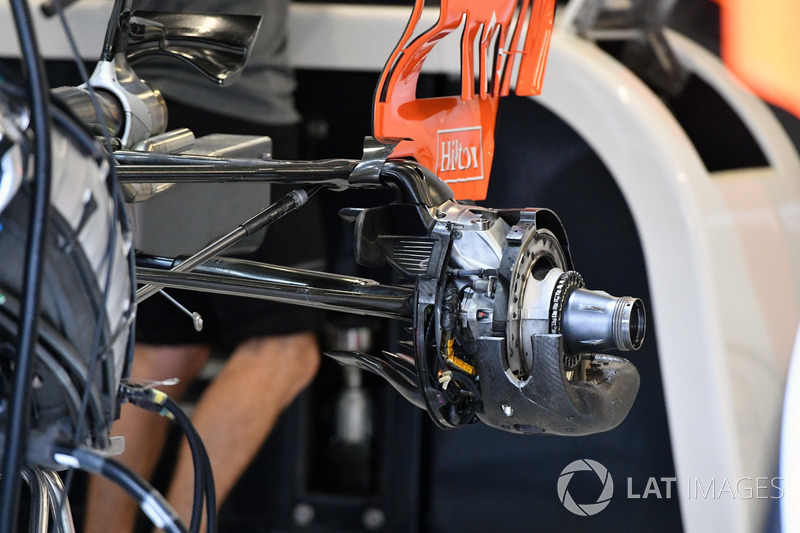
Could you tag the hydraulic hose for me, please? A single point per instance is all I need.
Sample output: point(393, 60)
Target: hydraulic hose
point(111, 31)
point(157, 401)
point(152, 504)
point(204, 476)
point(19, 406)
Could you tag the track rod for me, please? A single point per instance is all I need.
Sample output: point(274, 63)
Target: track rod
point(295, 286)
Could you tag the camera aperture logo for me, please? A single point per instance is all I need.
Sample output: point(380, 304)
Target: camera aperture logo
point(585, 509)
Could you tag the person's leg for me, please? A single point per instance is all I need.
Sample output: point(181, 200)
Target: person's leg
point(109, 508)
point(239, 408)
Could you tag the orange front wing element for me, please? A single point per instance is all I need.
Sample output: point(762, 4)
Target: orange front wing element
point(454, 136)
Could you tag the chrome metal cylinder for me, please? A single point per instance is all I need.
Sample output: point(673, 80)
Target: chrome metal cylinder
point(353, 424)
point(79, 101)
point(595, 321)
point(40, 499)
point(55, 488)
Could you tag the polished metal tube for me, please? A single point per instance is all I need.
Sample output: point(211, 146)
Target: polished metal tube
point(358, 296)
point(79, 102)
point(170, 169)
point(55, 488)
point(296, 277)
point(40, 499)
point(279, 209)
point(595, 321)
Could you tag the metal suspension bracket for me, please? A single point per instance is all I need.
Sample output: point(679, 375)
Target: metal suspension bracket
point(639, 26)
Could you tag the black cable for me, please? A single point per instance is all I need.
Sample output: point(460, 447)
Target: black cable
point(198, 453)
point(464, 379)
point(101, 311)
point(157, 401)
point(107, 53)
point(76, 132)
point(19, 407)
point(112, 241)
point(72, 398)
point(57, 344)
point(119, 207)
point(195, 445)
point(150, 501)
